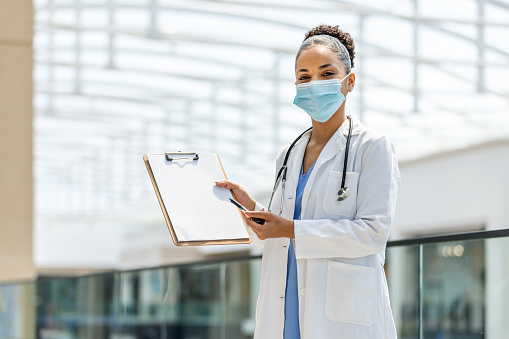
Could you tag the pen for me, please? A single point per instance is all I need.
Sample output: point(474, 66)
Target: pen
point(256, 220)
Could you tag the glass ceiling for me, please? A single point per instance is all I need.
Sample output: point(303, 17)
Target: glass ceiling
point(118, 79)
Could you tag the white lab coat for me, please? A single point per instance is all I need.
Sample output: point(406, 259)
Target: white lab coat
point(340, 246)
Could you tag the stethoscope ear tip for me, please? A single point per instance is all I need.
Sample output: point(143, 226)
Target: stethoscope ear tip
point(343, 193)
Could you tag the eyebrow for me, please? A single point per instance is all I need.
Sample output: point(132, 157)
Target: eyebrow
point(321, 67)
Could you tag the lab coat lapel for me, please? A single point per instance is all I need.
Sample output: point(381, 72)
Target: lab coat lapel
point(335, 145)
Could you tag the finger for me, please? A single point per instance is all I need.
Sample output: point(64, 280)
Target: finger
point(254, 226)
point(257, 229)
point(251, 223)
point(257, 219)
point(228, 184)
point(259, 214)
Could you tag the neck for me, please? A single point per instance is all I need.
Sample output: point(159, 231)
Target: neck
point(323, 131)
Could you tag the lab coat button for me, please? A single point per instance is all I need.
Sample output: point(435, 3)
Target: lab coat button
point(302, 292)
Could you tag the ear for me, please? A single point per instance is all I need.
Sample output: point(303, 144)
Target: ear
point(351, 82)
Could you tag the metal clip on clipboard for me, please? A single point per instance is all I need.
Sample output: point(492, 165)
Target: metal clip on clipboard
point(181, 155)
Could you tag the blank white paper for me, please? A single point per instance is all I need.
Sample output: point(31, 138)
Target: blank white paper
point(198, 209)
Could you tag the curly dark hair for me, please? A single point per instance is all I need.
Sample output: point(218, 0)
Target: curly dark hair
point(320, 35)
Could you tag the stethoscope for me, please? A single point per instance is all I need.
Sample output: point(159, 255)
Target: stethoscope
point(343, 192)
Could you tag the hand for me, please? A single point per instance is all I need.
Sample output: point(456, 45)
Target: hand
point(238, 193)
point(274, 226)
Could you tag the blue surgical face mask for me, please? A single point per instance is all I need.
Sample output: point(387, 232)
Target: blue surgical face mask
point(320, 99)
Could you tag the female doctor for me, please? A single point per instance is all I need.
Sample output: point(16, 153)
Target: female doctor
point(325, 233)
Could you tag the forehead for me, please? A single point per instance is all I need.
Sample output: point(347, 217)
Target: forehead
point(316, 56)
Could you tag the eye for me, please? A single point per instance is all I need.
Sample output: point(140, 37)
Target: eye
point(304, 77)
point(328, 74)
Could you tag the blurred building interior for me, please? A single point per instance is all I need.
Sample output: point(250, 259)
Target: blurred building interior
point(89, 86)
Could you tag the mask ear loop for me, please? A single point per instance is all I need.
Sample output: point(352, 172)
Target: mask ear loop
point(349, 90)
point(346, 76)
point(344, 192)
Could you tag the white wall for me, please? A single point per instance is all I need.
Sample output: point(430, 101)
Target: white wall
point(455, 191)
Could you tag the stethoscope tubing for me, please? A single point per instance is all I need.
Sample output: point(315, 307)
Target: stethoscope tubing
point(345, 163)
point(281, 175)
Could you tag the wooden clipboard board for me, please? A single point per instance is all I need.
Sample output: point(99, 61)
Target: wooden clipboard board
point(230, 214)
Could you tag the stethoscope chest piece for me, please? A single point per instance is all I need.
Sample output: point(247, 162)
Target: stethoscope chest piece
point(343, 193)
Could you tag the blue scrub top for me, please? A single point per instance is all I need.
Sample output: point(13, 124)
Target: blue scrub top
point(291, 329)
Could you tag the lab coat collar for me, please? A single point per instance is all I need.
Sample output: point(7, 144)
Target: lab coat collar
point(335, 144)
point(356, 128)
point(338, 141)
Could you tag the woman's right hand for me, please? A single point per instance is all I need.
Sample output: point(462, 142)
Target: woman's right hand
point(238, 193)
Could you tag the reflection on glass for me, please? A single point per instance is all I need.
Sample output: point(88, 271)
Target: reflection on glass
point(190, 301)
point(402, 270)
point(497, 288)
point(17, 310)
point(453, 290)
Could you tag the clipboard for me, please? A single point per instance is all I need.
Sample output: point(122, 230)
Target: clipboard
point(195, 210)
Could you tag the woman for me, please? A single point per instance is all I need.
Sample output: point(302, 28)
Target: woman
point(325, 236)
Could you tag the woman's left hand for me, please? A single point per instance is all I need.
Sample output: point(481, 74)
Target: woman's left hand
point(274, 226)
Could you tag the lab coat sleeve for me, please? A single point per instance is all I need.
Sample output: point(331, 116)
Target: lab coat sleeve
point(368, 232)
point(258, 206)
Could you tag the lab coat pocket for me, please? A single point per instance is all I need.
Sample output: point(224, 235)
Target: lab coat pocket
point(348, 207)
point(351, 294)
